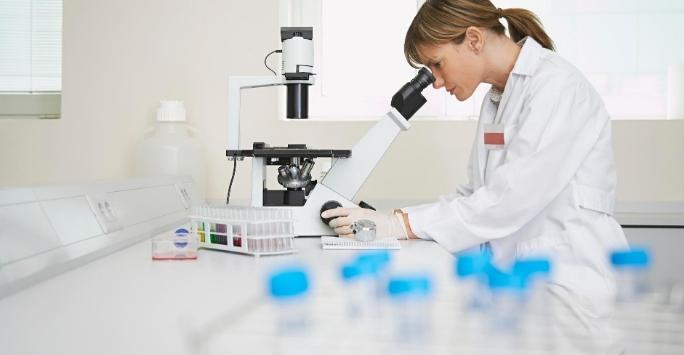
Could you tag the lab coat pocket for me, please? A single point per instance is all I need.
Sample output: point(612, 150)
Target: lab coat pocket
point(545, 245)
point(594, 199)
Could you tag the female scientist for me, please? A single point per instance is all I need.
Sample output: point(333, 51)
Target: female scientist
point(542, 175)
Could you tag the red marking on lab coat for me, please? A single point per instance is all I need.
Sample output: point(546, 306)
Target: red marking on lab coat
point(494, 138)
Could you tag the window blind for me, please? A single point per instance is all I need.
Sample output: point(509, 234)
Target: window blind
point(30, 46)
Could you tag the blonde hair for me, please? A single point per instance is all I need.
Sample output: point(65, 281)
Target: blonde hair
point(442, 21)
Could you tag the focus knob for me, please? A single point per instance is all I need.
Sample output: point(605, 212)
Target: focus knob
point(329, 206)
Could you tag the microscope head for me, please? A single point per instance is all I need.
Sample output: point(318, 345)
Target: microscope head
point(297, 67)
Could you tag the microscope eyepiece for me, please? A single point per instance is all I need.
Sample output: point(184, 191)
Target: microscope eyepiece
point(409, 98)
point(422, 79)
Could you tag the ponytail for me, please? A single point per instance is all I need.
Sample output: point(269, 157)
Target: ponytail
point(523, 23)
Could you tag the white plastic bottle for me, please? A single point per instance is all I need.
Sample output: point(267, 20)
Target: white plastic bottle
point(172, 149)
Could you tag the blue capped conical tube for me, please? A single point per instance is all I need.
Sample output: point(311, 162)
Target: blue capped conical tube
point(631, 272)
point(288, 288)
point(470, 270)
point(410, 297)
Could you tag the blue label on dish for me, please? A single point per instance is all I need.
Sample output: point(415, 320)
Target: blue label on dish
point(181, 232)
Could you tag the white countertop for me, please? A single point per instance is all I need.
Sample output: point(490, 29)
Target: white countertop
point(126, 303)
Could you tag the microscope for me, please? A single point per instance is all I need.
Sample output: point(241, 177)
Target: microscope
point(307, 198)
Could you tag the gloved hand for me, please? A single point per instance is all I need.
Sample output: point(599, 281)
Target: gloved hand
point(388, 224)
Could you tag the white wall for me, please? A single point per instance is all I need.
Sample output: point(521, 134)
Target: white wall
point(121, 57)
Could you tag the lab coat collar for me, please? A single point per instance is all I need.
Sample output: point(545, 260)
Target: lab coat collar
point(529, 56)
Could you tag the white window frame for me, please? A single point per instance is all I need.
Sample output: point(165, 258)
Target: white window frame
point(309, 13)
point(296, 13)
point(29, 105)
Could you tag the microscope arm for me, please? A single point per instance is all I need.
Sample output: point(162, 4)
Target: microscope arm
point(348, 175)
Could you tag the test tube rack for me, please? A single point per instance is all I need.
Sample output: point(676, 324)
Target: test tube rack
point(248, 230)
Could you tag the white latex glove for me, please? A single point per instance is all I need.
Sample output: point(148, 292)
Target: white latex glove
point(387, 224)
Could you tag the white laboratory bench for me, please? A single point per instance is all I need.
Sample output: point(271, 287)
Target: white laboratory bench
point(78, 278)
point(126, 303)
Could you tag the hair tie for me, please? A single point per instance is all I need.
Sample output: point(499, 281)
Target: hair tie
point(500, 12)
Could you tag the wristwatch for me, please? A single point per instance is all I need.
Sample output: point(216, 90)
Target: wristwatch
point(404, 221)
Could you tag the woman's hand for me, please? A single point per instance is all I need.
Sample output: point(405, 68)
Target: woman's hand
point(388, 224)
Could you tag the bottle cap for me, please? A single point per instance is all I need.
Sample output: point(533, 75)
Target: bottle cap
point(288, 282)
point(499, 280)
point(351, 271)
point(418, 285)
point(634, 257)
point(373, 261)
point(528, 267)
point(471, 264)
point(171, 111)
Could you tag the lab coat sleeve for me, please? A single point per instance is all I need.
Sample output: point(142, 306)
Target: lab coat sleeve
point(558, 126)
point(464, 190)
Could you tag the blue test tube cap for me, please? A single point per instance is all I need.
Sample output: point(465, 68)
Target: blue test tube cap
point(288, 283)
point(417, 285)
point(471, 264)
point(635, 258)
point(500, 280)
point(528, 267)
point(351, 271)
point(373, 261)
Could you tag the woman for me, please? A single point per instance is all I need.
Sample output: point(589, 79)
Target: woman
point(542, 175)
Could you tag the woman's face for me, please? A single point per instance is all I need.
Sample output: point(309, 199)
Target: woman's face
point(456, 67)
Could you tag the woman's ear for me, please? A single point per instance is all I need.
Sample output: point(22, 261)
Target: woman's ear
point(474, 39)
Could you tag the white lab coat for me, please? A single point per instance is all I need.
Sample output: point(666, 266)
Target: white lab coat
point(549, 191)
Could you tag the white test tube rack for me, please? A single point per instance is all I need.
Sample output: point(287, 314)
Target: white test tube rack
point(248, 230)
